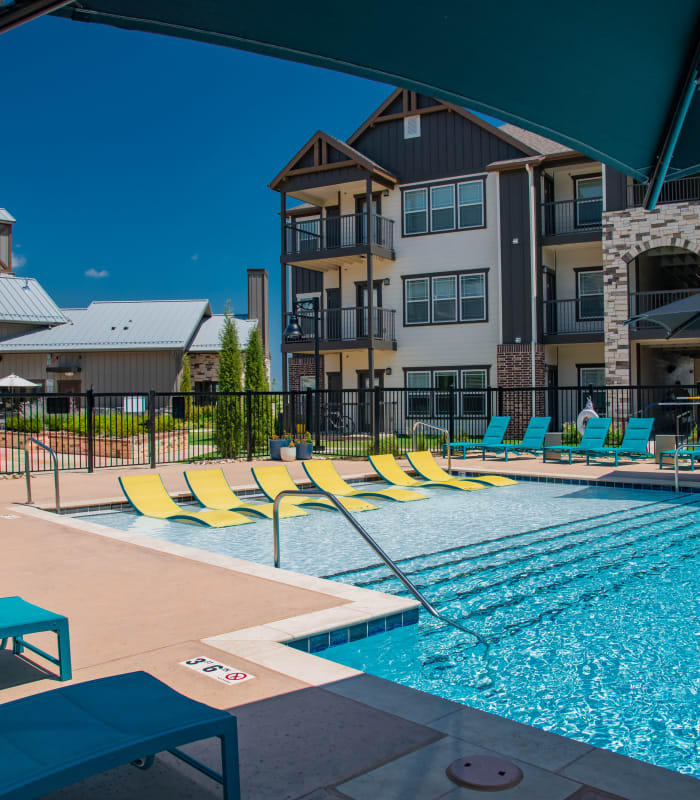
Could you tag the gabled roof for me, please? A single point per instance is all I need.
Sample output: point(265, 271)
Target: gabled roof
point(121, 325)
point(5, 216)
point(208, 337)
point(324, 152)
point(24, 300)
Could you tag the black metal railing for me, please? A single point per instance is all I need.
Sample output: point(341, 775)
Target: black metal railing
point(570, 317)
point(91, 431)
point(321, 234)
point(641, 302)
point(347, 325)
point(571, 216)
point(682, 190)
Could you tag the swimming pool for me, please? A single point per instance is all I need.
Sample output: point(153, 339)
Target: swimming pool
point(587, 597)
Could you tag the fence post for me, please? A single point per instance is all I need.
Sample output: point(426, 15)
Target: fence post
point(152, 428)
point(451, 425)
point(500, 402)
point(308, 412)
point(377, 416)
point(89, 429)
point(249, 423)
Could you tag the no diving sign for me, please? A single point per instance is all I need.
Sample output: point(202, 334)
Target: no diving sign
point(219, 672)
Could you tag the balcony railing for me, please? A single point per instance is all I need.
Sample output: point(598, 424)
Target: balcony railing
point(571, 317)
point(347, 325)
point(565, 217)
point(641, 302)
point(309, 236)
point(671, 192)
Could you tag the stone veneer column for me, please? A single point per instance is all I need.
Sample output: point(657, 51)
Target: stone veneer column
point(626, 234)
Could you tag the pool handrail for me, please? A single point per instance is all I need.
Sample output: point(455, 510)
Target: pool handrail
point(27, 470)
point(373, 544)
point(435, 428)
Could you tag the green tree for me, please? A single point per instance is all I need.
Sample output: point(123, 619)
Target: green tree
point(261, 422)
point(186, 384)
point(229, 417)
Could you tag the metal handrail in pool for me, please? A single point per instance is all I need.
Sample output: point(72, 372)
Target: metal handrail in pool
point(371, 542)
point(27, 470)
point(435, 428)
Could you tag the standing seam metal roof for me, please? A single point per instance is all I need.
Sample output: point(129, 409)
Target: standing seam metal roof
point(24, 300)
point(208, 337)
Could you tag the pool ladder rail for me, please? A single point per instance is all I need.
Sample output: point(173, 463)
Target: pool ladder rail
point(373, 544)
point(28, 468)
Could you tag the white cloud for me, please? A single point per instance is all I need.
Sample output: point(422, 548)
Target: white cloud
point(195, 257)
point(96, 273)
point(18, 260)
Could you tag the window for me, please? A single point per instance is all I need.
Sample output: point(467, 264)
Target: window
point(309, 236)
point(592, 375)
point(473, 400)
point(445, 299)
point(471, 204)
point(417, 301)
point(444, 380)
point(418, 403)
point(589, 201)
point(411, 127)
point(205, 393)
point(589, 294)
point(472, 297)
point(442, 208)
point(307, 382)
point(415, 214)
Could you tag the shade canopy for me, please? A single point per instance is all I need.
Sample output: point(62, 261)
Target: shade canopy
point(13, 381)
point(674, 317)
point(613, 80)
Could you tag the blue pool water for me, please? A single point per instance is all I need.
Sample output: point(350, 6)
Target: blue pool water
point(588, 598)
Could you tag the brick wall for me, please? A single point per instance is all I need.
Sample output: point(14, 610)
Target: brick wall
point(514, 365)
point(301, 366)
point(204, 367)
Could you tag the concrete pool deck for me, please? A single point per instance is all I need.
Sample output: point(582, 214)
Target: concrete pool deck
point(308, 728)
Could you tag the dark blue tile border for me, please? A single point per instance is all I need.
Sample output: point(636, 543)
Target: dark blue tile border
point(652, 487)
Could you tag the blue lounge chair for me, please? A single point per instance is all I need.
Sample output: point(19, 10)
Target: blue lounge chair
point(533, 440)
point(51, 740)
point(593, 439)
point(492, 438)
point(691, 451)
point(634, 443)
point(18, 618)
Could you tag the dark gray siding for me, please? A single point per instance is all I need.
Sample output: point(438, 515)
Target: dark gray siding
point(448, 145)
point(615, 190)
point(328, 177)
point(258, 281)
point(516, 290)
point(306, 280)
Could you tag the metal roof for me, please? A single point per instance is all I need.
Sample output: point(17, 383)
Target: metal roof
point(208, 337)
point(122, 325)
point(5, 216)
point(24, 300)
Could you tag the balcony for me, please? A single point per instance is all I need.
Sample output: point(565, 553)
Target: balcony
point(344, 329)
point(578, 320)
point(321, 241)
point(680, 191)
point(566, 221)
point(641, 302)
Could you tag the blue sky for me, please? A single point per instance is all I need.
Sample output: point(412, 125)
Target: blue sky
point(137, 165)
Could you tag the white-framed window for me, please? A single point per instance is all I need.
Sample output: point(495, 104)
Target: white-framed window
point(445, 380)
point(411, 127)
point(442, 208)
point(472, 297)
point(417, 301)
point(417, 402)
point(445, 298)
point(589, 294)
point(415, 211)
point(589, 201)
point(471, 204)
point(473, 400)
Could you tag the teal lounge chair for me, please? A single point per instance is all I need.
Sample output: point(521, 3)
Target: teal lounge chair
point(533, 440)
point(492, 438)
point(634, 443)
point(691, 451)
point(593, 439)
point(54, 739)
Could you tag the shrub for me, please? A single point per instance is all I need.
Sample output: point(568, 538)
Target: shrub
point(24, 424)
point(261, 422)
point(186, 384)
point(570, 434)
point(229, 416)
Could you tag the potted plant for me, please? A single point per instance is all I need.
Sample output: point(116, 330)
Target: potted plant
point(288, 452)
point(276, 444)
point(304, 447)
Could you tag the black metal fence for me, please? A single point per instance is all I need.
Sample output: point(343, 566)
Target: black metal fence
point(91, 430)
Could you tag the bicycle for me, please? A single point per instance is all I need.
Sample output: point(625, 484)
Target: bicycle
point(337, 422)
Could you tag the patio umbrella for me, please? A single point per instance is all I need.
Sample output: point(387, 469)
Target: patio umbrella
point(13, 381)
point(674, 317)
point(615, 81)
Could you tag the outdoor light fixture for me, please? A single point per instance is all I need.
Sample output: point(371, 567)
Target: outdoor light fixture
point(387, 281)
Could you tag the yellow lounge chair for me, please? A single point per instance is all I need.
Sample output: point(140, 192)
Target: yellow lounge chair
point(326, 477)
point(388, 469)
point(425, 465)
point(273, 480)
point(149, 497)
point(211, 489)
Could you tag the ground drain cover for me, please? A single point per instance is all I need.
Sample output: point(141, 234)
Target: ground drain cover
point(488, 773)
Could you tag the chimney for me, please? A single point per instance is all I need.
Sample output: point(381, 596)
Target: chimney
point(258, 304)
point(6, 223)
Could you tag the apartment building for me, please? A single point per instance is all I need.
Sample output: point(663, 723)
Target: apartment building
point(446, 252)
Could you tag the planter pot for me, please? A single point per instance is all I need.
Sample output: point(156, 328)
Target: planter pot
point(304, 450)
point(275, 446)
point(288, 453)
